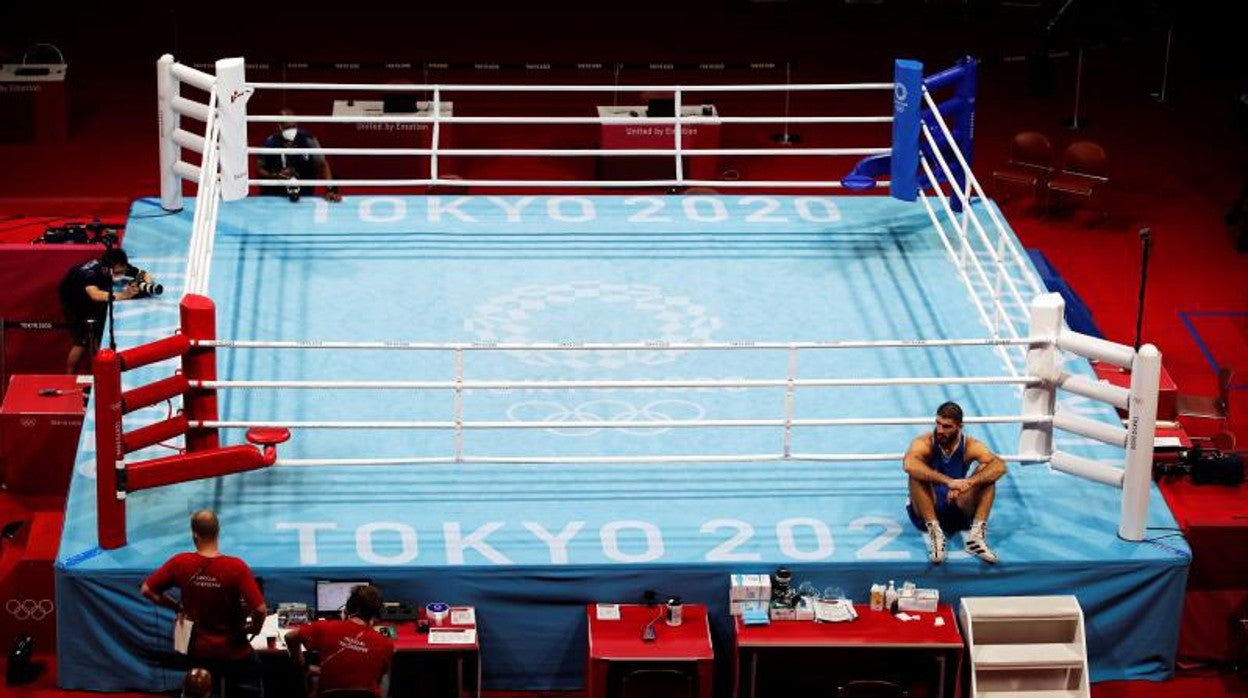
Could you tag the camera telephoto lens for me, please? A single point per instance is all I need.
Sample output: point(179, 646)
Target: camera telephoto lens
point(151, 289)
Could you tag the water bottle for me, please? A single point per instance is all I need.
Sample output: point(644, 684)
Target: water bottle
point(673, 611)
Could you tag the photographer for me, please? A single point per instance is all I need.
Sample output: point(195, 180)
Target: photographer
point(295, 166)
point(85, 292)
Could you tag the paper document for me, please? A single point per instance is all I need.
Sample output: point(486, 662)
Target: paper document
point(463, 615)
point(182, 627)
point(607, 611)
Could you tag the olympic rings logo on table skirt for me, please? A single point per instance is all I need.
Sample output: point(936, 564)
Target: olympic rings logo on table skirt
point(607, 411)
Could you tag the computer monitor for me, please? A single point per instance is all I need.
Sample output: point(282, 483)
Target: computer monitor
point(332, 595)
point(661, 107)
point(399, 103)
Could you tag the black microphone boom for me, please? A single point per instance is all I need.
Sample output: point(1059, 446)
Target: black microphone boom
point(1146, 237)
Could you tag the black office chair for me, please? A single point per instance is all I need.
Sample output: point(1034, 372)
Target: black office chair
point(656, 683)
point(871, 688)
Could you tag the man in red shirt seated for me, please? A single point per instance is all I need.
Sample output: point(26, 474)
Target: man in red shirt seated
point(222, 599)
point(353, 655)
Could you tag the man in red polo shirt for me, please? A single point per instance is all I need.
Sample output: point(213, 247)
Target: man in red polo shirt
point(353, 656)
point(222, 599)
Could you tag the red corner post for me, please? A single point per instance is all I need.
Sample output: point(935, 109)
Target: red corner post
point(199, 322)
point(110, 507)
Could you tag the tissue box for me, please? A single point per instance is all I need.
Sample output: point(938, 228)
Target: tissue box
point(922, 600)
point(739, 608)
point(750, 587)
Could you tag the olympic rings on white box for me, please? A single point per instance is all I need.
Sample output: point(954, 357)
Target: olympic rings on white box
point(607, 410)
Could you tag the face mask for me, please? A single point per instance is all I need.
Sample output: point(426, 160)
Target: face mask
point(290, 133)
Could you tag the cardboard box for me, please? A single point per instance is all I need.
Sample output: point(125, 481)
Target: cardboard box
point(750, 587)
point(803, 611)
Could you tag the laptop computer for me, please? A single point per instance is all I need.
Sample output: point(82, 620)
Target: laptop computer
point(399, 103)
point(332, 595)
point(661, 107)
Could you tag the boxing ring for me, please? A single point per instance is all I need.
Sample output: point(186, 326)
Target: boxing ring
point(531, 402)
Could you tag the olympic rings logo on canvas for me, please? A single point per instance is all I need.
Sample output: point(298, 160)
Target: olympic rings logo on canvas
point(620, 411)
point(509, 319)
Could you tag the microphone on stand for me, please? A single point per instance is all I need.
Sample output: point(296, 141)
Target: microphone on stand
point(1146, 238)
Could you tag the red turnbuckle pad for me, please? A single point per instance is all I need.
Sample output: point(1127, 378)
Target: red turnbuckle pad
point(268, 436)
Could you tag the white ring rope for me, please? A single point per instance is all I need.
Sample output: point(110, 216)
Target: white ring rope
point(601, 346)
point(605, 423)
point(222, 173)
point(1032, 280)
point(966, 280)
point(207, 201)
point(979, 228)
point(543, 120)
point(389, 87)
point(609, 384)
point(568, 152)
point(436, 117)
point(628, 460)
point(571, 183)
point(974, 260)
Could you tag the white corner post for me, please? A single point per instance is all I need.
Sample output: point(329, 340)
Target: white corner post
point(168, 121)
point(1141, 431)
point(232, 96)
point(1043, 361)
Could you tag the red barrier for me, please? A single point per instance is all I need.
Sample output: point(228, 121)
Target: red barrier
point(110, 509)
point(199, 322)
point(150, 353)
point(163, 430)
point(192, 466)
point(153, 393)
point(29, 275)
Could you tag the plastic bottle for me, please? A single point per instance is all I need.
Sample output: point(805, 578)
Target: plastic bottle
point(890, 597)
point(877, 597)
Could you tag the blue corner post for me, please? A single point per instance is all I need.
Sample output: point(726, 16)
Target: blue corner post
point(907, 106)
point(964, 133)
point(958, 112)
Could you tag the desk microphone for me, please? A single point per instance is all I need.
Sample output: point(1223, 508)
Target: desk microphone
point(647, 633)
